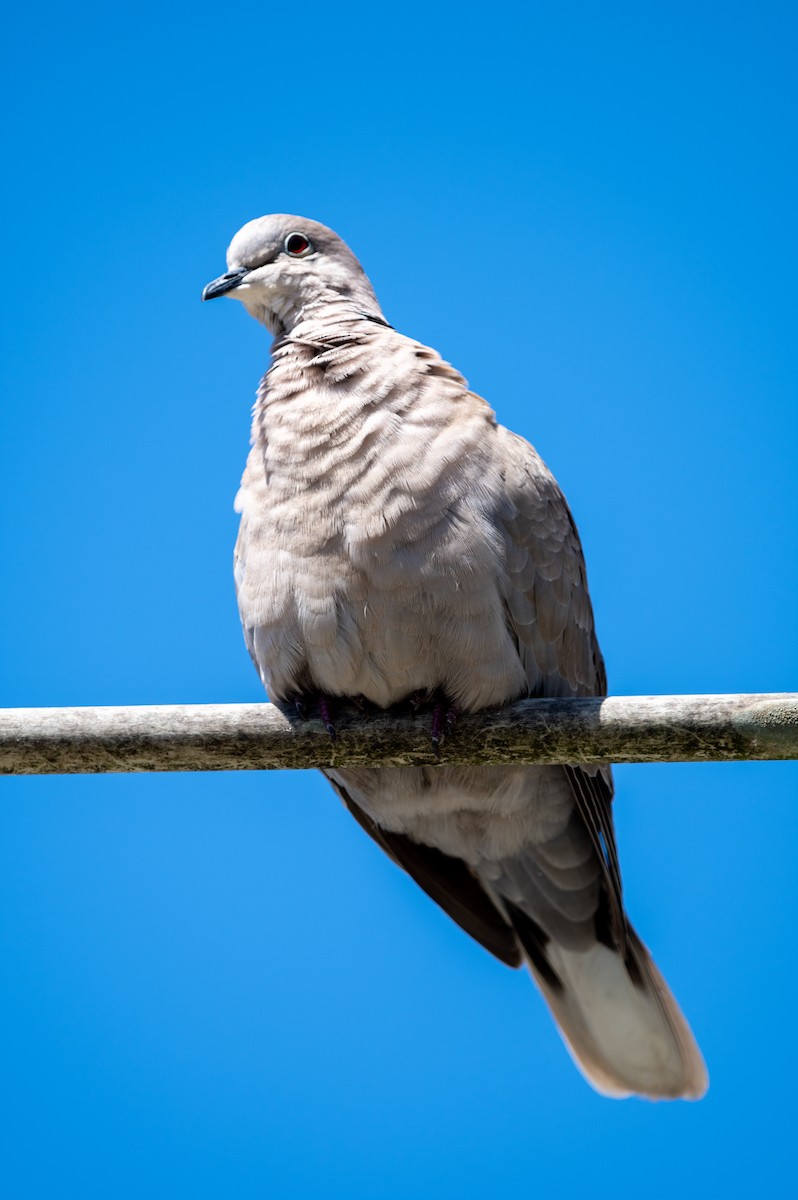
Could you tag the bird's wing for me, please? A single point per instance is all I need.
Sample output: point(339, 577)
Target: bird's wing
point(551, 618)
point(524, 858)
point(446, 879)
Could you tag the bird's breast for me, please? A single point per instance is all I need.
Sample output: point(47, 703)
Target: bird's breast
point(367, 561)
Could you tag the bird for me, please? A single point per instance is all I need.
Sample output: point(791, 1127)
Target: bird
point(399, 547)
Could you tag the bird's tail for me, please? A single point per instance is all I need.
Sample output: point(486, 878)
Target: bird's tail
point(617, 1016)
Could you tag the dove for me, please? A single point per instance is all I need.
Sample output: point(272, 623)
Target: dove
point(398, 546)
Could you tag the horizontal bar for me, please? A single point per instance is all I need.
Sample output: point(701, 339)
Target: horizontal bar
point(234, 737)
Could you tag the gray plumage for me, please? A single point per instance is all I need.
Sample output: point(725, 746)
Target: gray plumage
point(396, 541)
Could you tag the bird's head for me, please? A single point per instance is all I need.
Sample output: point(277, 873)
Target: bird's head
point(279, 264)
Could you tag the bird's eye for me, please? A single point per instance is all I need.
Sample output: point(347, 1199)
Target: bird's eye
point(297, 245)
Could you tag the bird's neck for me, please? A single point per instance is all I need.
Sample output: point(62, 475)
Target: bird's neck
point(289, 312)
point(324, 374)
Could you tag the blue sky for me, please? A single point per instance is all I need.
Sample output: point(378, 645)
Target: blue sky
point(215, 985)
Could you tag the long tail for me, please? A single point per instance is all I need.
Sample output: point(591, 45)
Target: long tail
point(617, 1016)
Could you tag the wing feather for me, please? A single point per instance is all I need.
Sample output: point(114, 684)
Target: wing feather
point(551, 617)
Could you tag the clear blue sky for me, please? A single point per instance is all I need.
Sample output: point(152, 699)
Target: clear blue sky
point(215, 986)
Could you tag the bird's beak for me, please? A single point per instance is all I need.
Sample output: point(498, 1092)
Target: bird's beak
point(224, 284)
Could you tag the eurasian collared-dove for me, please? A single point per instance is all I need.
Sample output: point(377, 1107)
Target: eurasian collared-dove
point(397, 544)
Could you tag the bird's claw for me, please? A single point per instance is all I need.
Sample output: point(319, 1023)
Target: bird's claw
point(450, 720)
point(302, 705)
point(363, 706)
point(444, 718)
point(324, 713)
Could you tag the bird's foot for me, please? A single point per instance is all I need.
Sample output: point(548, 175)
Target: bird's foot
point(444, 718)
point(324, 713)
point(450, 720)
point(303, 703)
point(363, 706)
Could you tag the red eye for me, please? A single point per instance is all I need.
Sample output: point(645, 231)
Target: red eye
point(297, 245)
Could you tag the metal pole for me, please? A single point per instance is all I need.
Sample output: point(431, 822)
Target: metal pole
point(232, 737)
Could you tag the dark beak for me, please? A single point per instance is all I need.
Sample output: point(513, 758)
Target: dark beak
point(224, 284)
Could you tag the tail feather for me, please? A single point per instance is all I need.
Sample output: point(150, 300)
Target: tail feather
point(617, 1017)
